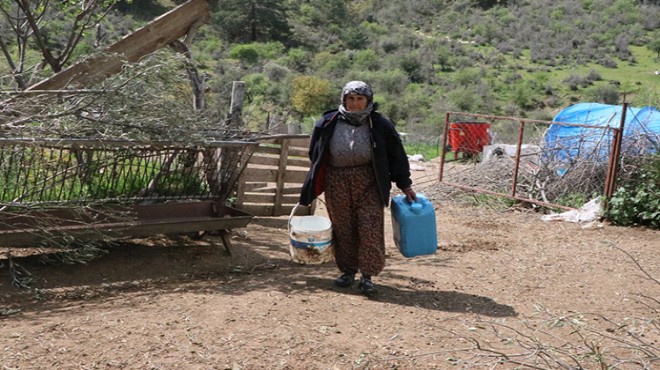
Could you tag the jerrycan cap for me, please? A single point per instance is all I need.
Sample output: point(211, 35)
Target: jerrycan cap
point(416, 207)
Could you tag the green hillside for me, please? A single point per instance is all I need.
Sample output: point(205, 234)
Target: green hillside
point(423, 58)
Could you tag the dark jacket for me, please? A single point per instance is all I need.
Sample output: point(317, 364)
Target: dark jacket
point(389, 158)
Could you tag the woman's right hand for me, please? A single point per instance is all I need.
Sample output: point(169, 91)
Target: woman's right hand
point(410, 194)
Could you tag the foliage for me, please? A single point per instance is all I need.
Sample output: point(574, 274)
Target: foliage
point(310, 94)
point(605, 94)
point(367, 60)
point(247, 54)
point(636, 201)
point(462, 52)
point(249, 21)
point(426, 150)
point(148, 100)
point(573, 200)
point(145, 10)
point(496, 57)
point(654, 46)
point(55, 30)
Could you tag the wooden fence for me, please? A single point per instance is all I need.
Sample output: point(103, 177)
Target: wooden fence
point(270, 184)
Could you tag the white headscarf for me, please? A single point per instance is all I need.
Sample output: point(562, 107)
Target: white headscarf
point(357, 88)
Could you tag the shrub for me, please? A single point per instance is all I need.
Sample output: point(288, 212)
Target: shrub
point(298, 59)
point(593, 76)
point(245, 53)
point(393, 81)
point(252, 52)
point(367, 59)
point(412, 66)
point(574, 82)
point(389, 44)
point(310, 94)
point(636, 201)
point(354, 38)
point(276, 72)
point(604, 94)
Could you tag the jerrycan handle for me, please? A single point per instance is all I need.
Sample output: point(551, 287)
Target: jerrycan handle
point(416, 207)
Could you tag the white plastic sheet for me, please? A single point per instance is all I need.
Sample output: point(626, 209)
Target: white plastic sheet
point(589, 212)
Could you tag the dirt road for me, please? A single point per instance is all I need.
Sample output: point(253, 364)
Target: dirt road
point(506, 290)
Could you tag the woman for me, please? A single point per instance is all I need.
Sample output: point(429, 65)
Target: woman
point(356, 154)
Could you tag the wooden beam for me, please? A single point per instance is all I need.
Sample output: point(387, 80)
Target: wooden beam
point(281, 172)
point(163, 30)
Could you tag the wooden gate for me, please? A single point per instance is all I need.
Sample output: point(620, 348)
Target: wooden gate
point(270, 184)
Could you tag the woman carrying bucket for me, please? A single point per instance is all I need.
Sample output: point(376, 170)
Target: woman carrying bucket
point(356, 154)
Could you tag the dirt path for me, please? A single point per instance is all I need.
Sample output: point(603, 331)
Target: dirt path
point(505, 290)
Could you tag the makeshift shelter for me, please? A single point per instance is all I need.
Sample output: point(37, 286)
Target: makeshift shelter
point(584, 131)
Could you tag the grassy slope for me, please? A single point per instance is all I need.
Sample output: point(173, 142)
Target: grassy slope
point(638, 78)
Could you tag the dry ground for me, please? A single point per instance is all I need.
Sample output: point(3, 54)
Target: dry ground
point(506, 290)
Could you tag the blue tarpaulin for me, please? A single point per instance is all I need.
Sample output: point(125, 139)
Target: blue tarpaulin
point(567, 143)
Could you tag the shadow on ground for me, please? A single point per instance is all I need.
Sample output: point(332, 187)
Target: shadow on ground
point(259, 261)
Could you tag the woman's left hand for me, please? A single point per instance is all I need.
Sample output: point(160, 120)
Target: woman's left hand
point(410, 194)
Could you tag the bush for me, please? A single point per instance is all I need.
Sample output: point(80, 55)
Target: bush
point(603, 94)
point(367, 59)
point(636, 202)
point(593, 76)
point(245, 53)
point(251, 53)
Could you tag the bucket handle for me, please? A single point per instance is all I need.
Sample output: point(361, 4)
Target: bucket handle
point(293, 212)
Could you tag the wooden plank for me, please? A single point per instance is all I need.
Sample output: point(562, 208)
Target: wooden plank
point(269, 198)
point(297, 177)
point(299, 142)
point(256, 186)
point(293, 190)
point(259, 210)
point(274, 162)
point(263, 161)
point(272, 182)
point(31, 238)
point(267, 210)
point(271, 175)
point(275, 151)
point(162, 31)
point(268, 172)
point(153, 219)
point(268, 149)
point(289, 189)
point(259, 174)
point(281, 174)
point(255, 198)
point(299, 152)
point(295, 162)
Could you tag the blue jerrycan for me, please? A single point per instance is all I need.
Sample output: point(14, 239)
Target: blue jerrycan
point(414, 226)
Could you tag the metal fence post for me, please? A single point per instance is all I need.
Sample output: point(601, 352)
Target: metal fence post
point(615, 153)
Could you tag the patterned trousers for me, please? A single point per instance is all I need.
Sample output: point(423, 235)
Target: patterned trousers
point(357, 215)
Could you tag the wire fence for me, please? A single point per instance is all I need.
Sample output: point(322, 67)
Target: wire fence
point(60, 172)
point(539, 162)
point(423, 140)
point(55, 191)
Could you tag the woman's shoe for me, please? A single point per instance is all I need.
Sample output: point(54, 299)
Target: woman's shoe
point(367, 286)
point(345, 280)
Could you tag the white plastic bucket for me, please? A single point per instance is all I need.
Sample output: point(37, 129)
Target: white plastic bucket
point(310, 239)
